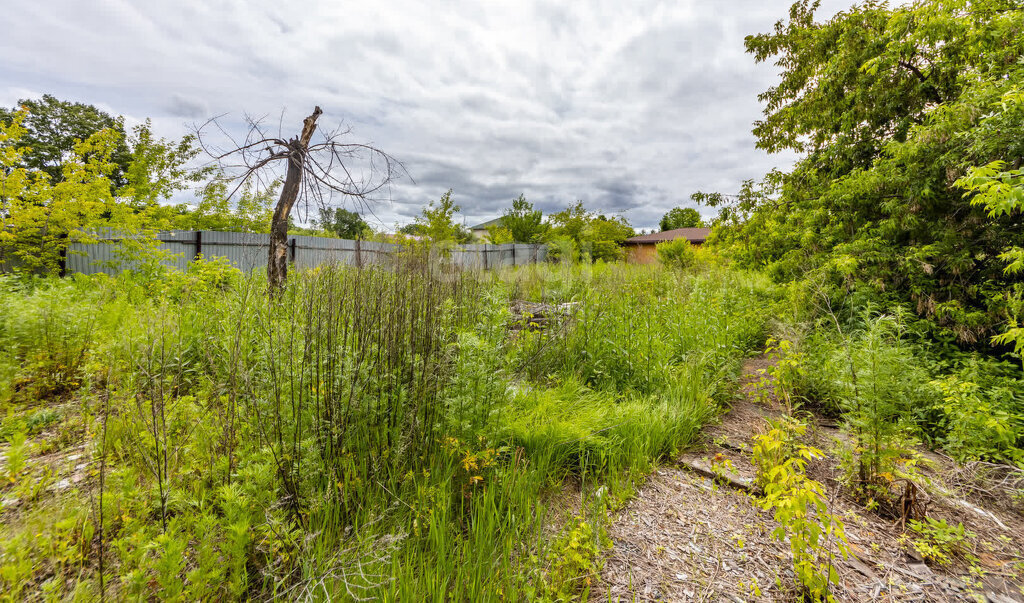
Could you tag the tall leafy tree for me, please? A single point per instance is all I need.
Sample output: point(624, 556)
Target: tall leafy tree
point(680, 217)
point(998, 187)
point(52, 127)
point(38, 216)
point(886, 104)
point(343, 223)
point(596, 236)
point(523, 223)
point(437, 222)
point(571, 222)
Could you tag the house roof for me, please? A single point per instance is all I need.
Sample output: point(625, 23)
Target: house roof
point(693, 235)
point(484, 225)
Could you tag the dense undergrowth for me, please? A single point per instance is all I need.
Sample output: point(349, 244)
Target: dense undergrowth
point(376, 433)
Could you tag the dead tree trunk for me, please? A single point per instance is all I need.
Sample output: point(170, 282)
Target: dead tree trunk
point(277, 261)
point(315, 173)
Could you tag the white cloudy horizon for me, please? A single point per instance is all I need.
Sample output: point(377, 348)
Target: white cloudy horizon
point(629, 107)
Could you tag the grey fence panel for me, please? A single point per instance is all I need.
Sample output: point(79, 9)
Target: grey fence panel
point(103, 257)
point(468, 257)
point(248, 251)
point(373, 252)
point(524, 254)
point(504, 255)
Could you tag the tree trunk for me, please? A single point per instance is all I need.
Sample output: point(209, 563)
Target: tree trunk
point(277, 261)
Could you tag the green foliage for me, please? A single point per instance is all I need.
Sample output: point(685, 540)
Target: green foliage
point(1001, 192)
point(800, 506)
point(382, 419)
point(890, 105)
point(877, 394)
point(786, 372)
point(523, 223)
point(158, 168)
point(980, 425)
point(499, 235)
point(40, 216)
point(251, 211)
point(562, 249)
point(938, 542)
point(573, 563)
point(343, 223)
point(54, 128)
point(48, 336)
point(437, 222)
point(677, 254)
point(680, 217)
point(595, 236)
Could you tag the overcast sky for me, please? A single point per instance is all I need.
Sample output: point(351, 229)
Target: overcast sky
point(628, 106)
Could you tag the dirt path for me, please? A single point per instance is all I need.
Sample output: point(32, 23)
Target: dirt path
point(684, 537)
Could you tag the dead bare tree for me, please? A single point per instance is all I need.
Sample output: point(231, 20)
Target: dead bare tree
point(315, 173)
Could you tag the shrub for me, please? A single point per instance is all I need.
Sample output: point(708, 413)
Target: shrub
point(563, 249)
point(678, 254)
point(800, 506)
point(938, 542)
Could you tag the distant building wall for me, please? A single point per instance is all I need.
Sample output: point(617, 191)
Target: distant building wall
point(642, 254)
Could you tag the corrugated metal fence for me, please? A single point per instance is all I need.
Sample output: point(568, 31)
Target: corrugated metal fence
point(249, 251)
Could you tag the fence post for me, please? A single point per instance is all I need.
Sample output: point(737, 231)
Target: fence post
point(359, 254)
point(291, 249)
point(199, 245)
point(64, 255)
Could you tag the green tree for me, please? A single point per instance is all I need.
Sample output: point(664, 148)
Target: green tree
point(597, 236)
point(887, 107)
point(999, 189)
point(53, 128)
point(158, 168)
point(414, 229)
point(343, 223)
point(39, 217)
point(523, 223)
point(437, 222)
point(571, 222)
point(680, 217)
point(249, 212)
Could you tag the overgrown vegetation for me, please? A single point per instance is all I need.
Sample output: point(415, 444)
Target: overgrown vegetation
point(380, 432)
point(405, 431)
point(908, 121)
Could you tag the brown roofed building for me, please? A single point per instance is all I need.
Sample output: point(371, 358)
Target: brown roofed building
point(641, 250)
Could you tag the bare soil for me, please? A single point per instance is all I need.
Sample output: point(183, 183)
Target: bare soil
point(685, 537)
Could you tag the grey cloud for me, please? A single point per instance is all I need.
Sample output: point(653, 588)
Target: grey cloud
point(628, 106)
point(181, 106)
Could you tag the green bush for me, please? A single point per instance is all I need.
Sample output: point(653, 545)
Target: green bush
point(678, 254)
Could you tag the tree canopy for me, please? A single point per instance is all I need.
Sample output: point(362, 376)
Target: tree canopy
point(890, 107)
point(523, 223)
point(593, 235)
point(680, 217)
point(51, 128)
point(343, 223)
point(437, 222)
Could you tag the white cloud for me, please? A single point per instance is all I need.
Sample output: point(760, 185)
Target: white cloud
point(628, 106)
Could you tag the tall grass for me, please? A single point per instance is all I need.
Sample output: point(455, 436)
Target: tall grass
point(377, 433)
